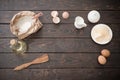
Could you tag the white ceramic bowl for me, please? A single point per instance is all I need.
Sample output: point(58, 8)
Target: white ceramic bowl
point(93, 16)
point(101, 34)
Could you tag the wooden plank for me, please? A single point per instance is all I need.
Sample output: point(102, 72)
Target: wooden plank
point(60, 74)
point(60, 61)
point(106, 16)
point(62, 30)
point(60, 5)
point(63, 45)
point(9, 74)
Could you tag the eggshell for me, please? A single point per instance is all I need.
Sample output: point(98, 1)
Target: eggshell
point(54, 13)
point(93, 16)
point(102, 60)
point(56, 20)
point(65, 15)
point(105, 52)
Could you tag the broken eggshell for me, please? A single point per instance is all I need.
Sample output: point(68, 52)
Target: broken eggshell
point(25, 23)
point(79, 22)
point(54, 14)
point(93, 16)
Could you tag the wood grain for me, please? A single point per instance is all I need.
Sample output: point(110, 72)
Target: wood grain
point(106, 16)
point(73, 54)
point(61, 74)
point(63, 45)
point(58, 31)
point(60, 5)
point(61, 61)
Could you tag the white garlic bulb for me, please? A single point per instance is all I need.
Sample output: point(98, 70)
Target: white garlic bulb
point(93, 16)
point(79, 22)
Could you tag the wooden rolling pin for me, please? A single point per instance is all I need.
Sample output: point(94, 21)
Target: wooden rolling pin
point(41, 59)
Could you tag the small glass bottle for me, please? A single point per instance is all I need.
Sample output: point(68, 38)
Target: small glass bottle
point(18, 46)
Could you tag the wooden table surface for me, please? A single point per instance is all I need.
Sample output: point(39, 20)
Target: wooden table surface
point(73, 54)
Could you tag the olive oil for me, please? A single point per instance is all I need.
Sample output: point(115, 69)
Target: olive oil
point(18, 46)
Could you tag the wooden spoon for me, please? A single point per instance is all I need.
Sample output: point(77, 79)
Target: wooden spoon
point(41, 59)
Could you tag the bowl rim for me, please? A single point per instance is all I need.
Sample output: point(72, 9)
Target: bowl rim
point(110, 34)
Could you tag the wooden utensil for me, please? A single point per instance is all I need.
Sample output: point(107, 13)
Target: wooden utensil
point(41, 59)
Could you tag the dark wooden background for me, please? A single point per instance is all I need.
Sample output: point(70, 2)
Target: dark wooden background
point(73, 54)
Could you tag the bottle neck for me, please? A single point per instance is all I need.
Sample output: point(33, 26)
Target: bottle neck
point(16, 45)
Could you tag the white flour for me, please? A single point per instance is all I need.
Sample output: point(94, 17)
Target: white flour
point(24, 23)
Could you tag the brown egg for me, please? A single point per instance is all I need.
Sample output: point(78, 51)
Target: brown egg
point(105, 52)
point(65, 15)
point(102, 60)
point(56, 20)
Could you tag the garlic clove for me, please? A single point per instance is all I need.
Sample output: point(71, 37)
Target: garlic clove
point(65, 15)
point(56, 20)
point(93, 16)
point(54, 13)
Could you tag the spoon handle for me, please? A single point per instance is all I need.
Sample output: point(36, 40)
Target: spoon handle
point(41, 59)
point(23, 66)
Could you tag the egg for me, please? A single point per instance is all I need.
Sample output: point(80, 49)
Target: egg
point(56, 20)
point(79, 22)
point(102, 60)
point(54, 13)
point(65, 14)
point(93, 16)
point(105, 52)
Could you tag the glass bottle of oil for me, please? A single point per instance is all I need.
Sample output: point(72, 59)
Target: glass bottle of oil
point(18, 46)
